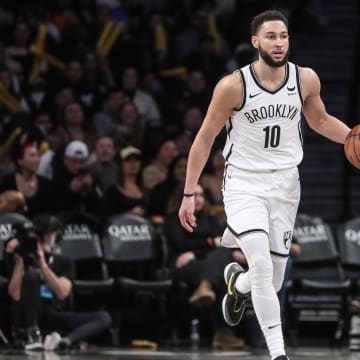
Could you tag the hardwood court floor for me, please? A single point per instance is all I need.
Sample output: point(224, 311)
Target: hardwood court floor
point(126, 354)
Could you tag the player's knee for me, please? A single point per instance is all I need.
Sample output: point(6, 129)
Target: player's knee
point(261, 271)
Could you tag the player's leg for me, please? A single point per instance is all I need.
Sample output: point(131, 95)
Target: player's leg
point(284, 202)
point(246, 212)
point(266, 305)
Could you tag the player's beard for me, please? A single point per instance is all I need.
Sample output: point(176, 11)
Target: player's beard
point(269, 61)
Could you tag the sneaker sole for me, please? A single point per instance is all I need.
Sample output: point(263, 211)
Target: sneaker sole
point(34, 346)
point(225, 313)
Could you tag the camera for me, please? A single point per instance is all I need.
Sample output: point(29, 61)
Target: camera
point(28, 238)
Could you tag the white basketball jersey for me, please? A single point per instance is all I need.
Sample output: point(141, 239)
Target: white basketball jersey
point(264, 133)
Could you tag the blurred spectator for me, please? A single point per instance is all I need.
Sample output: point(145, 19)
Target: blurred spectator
point(110, 113)
point(43, 124)
point(40, 288)
point(244, 54)
point(74, 187)
point(12, 201)
point(17, 55)
point(129, 130)
point(196, 93)
point(96, 72)
point(157, 170)
point(104, 168)
point(35, 95)
point(183, 141)
point(87, 93)
point(148, 109)
point(187, 41)
point(56, 101)
point(36, 189)
point(199, 260)
point(127, 195)
point(212, 179)
point(160, 195)
point(207, 58)
point(74, 126)
point(192, 119)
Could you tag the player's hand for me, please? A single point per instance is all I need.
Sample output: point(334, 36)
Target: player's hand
point(186, 213)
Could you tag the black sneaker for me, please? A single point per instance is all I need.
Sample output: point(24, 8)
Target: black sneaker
point(234, 303)
point(34, 339)
point(282, 357)
point(19, 338)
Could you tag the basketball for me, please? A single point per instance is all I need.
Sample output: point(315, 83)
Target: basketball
point(352, 146)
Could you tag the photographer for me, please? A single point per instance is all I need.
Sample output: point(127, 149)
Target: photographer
point(41, 288)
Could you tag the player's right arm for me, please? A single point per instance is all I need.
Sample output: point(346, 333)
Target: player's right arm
point(227, 95)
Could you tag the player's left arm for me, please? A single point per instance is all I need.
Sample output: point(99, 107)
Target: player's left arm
point(314, 109)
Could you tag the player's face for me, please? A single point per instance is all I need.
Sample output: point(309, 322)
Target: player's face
point(272, 41)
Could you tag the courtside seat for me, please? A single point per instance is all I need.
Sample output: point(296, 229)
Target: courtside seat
point(133, 250)
point(81, 242)
point(318, 292)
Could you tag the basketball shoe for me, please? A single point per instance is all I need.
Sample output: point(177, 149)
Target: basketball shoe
point(234, 303)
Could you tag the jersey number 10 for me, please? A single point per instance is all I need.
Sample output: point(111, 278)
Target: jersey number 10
point(272, 136)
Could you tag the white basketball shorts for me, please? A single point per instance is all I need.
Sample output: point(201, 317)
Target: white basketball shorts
point(261, 201)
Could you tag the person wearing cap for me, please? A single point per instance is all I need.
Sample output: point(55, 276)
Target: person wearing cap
point(74, 186)
point(127, 195)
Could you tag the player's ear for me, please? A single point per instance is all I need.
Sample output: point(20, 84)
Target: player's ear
point(254, 41)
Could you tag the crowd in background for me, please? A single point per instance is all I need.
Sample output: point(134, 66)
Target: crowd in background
point(100, 101)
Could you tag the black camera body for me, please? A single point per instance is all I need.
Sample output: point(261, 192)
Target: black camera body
point(28, 239)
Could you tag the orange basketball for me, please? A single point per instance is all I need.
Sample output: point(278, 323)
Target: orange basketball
point(352, 146)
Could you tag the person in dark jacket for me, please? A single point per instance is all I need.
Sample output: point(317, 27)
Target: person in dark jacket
point(198, 260)
point(36, 189)
point(75, 189)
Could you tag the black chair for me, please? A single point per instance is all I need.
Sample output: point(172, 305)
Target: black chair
point(318, 289)
point(7, 223)
point(80, 241)
point(349, 247)
point(134, 252)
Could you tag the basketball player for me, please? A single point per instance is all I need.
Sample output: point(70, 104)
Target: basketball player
point(260, 105)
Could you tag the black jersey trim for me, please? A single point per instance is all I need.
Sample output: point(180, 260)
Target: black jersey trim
point(230, 127)
point(286, 78)
point(300, 134)
point(244, 91)
point(229, 153)
point(246, 232)
point(298, 81)
point(224, 176)
point(278, 254)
